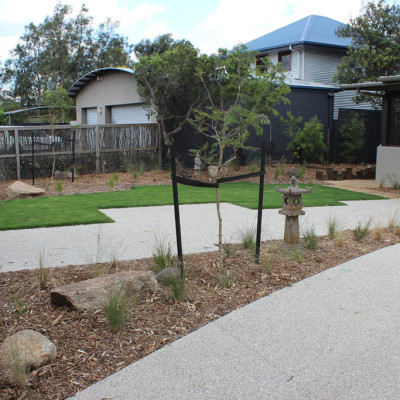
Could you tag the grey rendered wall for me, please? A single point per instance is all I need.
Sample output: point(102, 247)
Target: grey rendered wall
point(116, 88)
point(388, 165)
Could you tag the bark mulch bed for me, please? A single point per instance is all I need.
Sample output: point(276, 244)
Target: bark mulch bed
point(88, 351)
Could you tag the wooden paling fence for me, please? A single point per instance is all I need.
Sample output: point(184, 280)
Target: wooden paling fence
point(97, 148)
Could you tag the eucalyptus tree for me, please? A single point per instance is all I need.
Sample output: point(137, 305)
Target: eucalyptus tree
point(375, 48)
point(167, 79)
point(58, 51)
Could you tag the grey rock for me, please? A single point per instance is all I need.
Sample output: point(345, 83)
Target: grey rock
point(58, 175)
point(92, 294)
point(30, 346)
point(213, 171)
point(168, 273)
point(19, 188)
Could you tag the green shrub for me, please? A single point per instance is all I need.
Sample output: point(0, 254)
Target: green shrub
point(110, 183)
point(305, 143)
point(351, 138)
point(59, 187)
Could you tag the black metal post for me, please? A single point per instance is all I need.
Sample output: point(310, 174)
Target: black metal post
point(73, 156)
point(33, 160)
point(260, 203)
point(176, 208)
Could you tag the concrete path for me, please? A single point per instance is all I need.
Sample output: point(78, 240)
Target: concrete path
point(135, 231)
point(332, 336)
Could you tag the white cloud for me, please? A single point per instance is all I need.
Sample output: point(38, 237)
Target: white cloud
point(6, 44)
point(155, 29)
point(35, 11)
point(235, 21)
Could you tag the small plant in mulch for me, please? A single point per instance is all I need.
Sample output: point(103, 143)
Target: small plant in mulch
point(269, 258)
point(19, 305)
point(16, 367)
point(178, 287)
point(361, 230)
point(297, 256)
point(310, 239)
point(227, 249)
point(333, 227)
point(117, 310)
point(247, 236)
point(162, 255)
point(224, 278)
point(59, 186)
point(280, 170)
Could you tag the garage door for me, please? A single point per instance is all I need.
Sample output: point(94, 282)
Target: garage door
point(130, 115)
point(91, 116)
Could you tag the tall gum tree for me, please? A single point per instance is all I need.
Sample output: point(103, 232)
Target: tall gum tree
point(167, 79)
point(375, 48)
point(58, 51)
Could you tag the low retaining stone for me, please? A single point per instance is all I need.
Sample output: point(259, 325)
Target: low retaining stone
point(92, 294)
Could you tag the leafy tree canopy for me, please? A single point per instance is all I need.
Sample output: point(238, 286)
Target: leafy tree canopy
point(375, 49)
point(58, 51)
point(238, 98)
point(62, 106)
point(166, 74)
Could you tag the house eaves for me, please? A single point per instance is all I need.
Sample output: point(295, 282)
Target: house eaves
point(384, 83)
point(84, 80)
point(310, 85)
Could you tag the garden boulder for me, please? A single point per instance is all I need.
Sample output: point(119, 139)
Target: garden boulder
point(92, 294)
point(28, 346)
point(19, 188)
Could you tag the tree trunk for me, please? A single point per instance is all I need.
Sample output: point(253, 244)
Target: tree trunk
point(221, 158)
point(219, 230)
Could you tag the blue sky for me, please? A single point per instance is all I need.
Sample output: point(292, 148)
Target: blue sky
point(208, 24)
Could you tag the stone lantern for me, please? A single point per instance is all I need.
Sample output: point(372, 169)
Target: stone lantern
point(292, 208)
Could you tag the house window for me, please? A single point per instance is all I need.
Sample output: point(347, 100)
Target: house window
point(285, 57)
point(262, 62)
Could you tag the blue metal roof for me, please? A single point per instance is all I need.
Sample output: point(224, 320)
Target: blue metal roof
point(313, 29)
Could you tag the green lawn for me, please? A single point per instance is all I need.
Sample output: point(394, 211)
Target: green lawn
point(84, 208)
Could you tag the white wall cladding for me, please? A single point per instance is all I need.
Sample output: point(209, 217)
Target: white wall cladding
point(345, 100)
point(320, 65)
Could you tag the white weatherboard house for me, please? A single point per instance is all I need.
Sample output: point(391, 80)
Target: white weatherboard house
point(310, 52)
point(109, 96)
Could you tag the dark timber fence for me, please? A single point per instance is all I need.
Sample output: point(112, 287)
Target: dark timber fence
point(98, 148)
